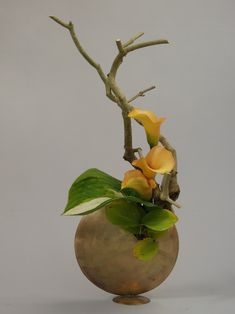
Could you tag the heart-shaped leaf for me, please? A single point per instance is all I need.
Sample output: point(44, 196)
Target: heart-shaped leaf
point(156, 234)
point(94, 189)
point(124, 213)
point(159, 219)
point(91, 190)
point(145, 249)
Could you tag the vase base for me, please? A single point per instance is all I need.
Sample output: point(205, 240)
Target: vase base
point(131, 299)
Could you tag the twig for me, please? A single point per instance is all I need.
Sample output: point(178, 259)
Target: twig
point(119, 58)
point(70, 27)
point(146, 44)
point(132, 39)
point(141, 93)
point(119, 45)
point(83, 52)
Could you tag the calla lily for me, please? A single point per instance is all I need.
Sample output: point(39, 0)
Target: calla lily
point(150, 122)
point(135, 180)
point(158, 160)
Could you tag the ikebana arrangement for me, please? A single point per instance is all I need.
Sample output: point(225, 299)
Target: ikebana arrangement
point(126, 243)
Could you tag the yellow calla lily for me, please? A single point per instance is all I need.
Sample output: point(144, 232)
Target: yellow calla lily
point(135, 180)
point(142, 164)
point(150, 122)
point(158, 160)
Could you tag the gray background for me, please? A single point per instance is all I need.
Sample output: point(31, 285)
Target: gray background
point(56, 122)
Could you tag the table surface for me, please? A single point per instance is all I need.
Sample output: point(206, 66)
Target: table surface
point(188, 301)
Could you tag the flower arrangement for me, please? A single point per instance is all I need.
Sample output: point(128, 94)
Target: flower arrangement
point(141, 203)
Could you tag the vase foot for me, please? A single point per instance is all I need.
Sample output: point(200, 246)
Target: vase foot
point(131, 299)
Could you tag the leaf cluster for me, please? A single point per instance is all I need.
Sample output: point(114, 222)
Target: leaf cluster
point(94, 189)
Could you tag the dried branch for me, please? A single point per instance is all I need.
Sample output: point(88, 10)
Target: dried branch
point(164, 194)
point(114, 93)
point(132, 39)
point(172, 183)
point(146, 44)
point(120, 96)
point(141, 93)
point(83, 52)
point(109, 93)
point(119, 45)
point(119, 58)
point(129, 154)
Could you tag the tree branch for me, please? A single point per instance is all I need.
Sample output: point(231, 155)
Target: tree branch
point(141, 93)
point(109, 92)
point(119, 58)
point(119, 45)
point(146, 44)
point(173, 186)
point(83, 52)
point(164, 194)
point(132, 39)
point(113, 92)
point(129, 152)
point(121, 98)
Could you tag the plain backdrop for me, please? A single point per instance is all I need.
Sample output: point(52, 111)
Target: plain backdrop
point(56, 122)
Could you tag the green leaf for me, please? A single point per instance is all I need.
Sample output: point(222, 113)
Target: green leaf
point(124, 214)
point(134, 230)
point(96, 173)
point(130, 192)
point(91, 191)
point(94, 189)
point(140, 201)
point(156, 234)
point(159, 219)
point(145, 249)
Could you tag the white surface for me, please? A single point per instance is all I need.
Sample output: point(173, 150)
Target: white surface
point(56, 122)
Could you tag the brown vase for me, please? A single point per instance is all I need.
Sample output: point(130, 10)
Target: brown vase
point(104, 254)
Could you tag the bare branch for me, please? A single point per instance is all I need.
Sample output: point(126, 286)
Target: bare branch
point(119, 45)
point(121, 98)
point(109, 92)
point(132, 39)
point(141, 93)
point(173, 186)
point(113, 91)
point(83, 52)
point(54, 18)
point(164, 194)
point(129, 153)
point(119, 58)
point(146, 44)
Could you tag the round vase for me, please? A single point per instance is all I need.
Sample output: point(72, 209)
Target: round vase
point(105, 255)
